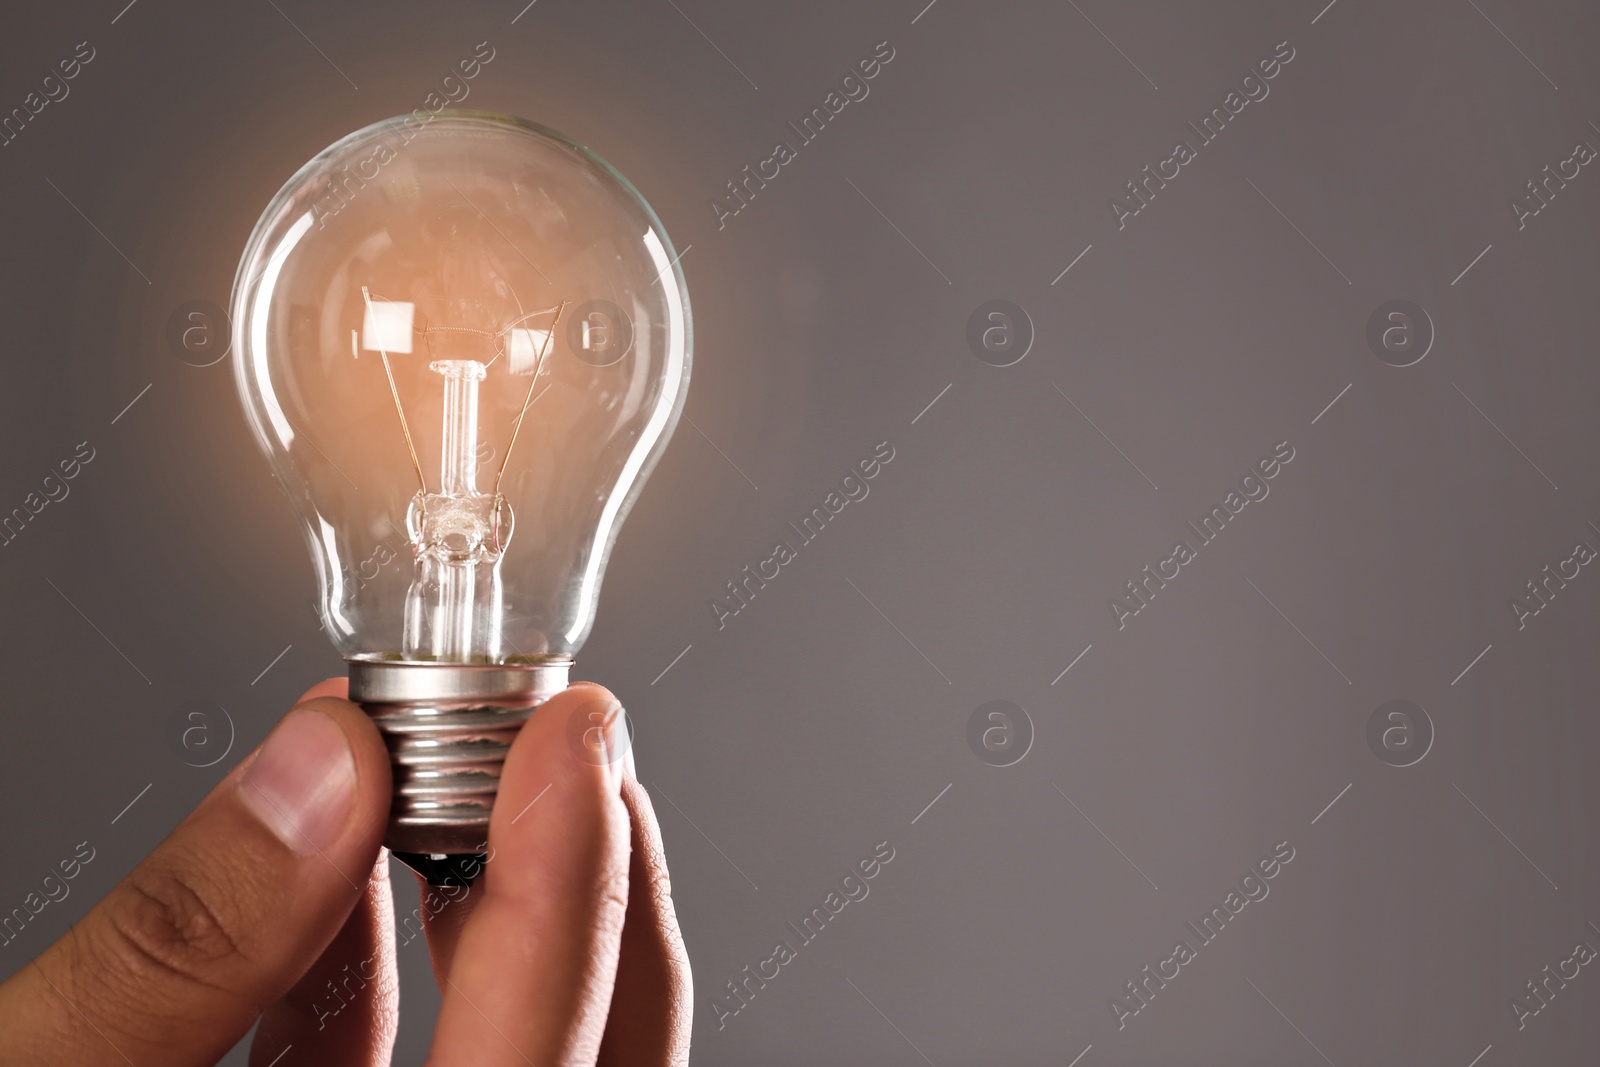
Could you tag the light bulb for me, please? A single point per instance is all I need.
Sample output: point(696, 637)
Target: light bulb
point(462, 341)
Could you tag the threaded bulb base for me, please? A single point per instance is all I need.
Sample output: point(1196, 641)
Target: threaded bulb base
point(448, 728)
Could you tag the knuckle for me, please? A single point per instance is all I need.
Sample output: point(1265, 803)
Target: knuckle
point(611, 892)
point(596, 876)
point(609, 879)
point(168, 926)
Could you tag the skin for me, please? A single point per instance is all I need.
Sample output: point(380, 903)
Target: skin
point(565, 951)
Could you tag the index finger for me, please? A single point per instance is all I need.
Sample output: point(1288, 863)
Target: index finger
point(531, 979)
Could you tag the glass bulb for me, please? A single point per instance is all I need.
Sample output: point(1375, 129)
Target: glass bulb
point(462, 342)
point(465, 340)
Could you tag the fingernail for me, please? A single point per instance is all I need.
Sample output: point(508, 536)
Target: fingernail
point(303, 781)
point(619, 747)
point(597, 731)
point(618, 743)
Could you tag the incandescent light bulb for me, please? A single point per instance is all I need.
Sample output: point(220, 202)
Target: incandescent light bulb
point(462, 342)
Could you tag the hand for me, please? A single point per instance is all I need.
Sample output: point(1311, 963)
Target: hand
point(565, 950)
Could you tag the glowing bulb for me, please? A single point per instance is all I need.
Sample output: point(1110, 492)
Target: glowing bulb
point(462, 343)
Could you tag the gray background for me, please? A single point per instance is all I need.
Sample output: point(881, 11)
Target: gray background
point(1222, 320)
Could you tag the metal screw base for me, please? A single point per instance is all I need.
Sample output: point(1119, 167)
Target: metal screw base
point(448, 727)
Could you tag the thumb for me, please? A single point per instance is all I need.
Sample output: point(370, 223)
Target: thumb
point(174, 965)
